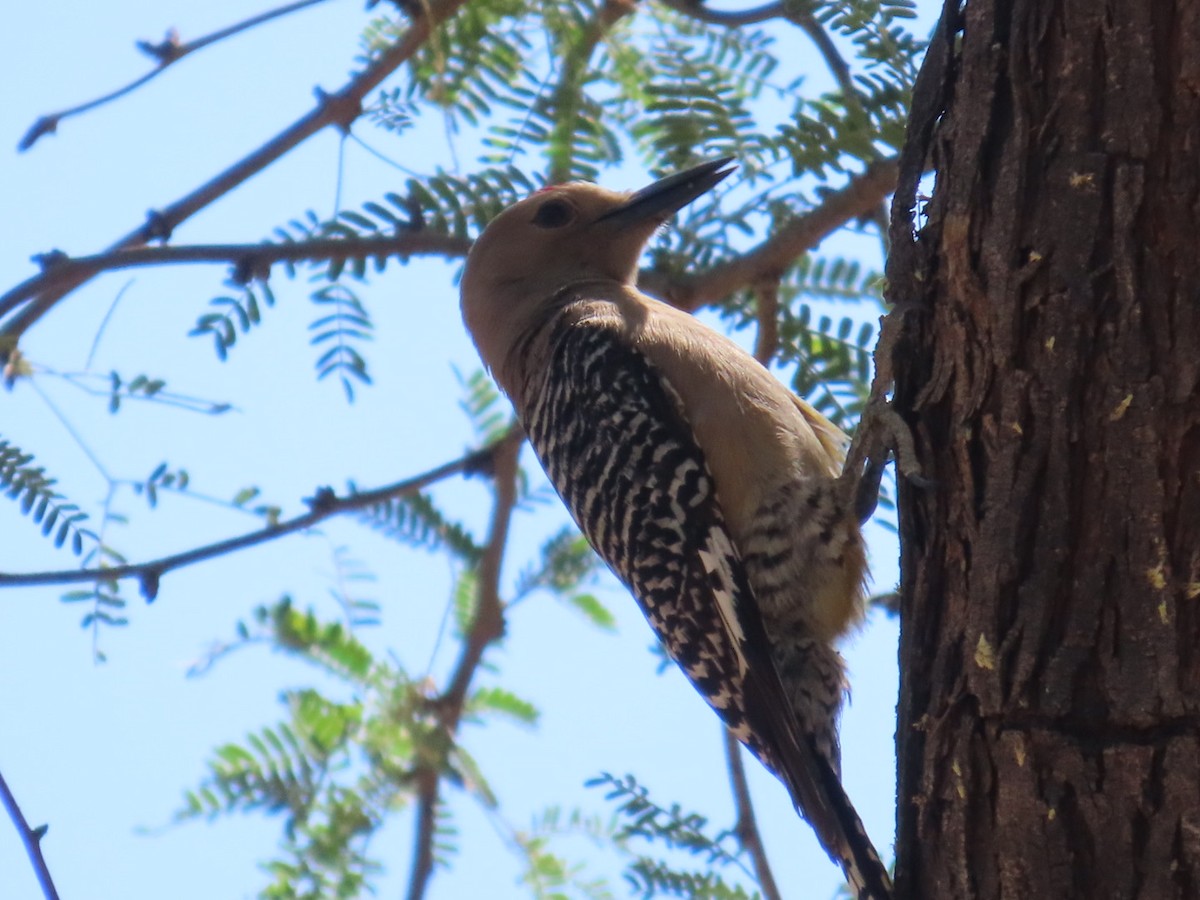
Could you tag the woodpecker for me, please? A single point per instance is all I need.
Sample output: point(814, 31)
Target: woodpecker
point(710, 489)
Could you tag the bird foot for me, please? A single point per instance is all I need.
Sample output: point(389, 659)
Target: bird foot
point(881, 434)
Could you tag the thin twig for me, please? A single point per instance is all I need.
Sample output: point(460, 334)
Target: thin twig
point(695, 9)
point(102, 387)
point(382, 157)
point(322, 506)
point(747, 825)
point(834, 61)
point(486, 627)
point(168, 52)
point(112, 308)
point(31, 838)
point(72, 432)
point(339, 109)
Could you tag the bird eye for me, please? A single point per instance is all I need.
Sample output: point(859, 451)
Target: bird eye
point(553, 214)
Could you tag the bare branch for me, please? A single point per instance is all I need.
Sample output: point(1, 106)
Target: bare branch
point(697, 10)
point(251, 260)
point(168, 52)
point(339, 109)
point(806, 22)
point(325, 504)
point(31, 838)
point(488, 624)
point(487, 627)
point(746, 828)
point(834, 60)
point(774, 255)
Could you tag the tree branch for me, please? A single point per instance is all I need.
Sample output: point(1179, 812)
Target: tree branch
point(325, 504)
point(696, 9)
point(766, 340)
point(340, 109)
point(747, 825)
point(806, 22)
point(31, 838)
point(565, 99)
point(775, 254)
point(834, 61)
point(168, 52)
point(250, 260)
point(858, 198)
point(840, 69)
point(427, 780)
point(488, 624)
point(486, 627)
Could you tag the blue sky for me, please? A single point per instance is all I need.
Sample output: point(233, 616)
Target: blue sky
point(100, 752)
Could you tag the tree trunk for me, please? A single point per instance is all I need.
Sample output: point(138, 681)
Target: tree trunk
point(1048, 363)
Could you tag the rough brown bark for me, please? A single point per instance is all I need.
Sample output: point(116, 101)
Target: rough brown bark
point(1050, 364)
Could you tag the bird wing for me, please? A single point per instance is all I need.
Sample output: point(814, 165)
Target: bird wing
point(612, 437)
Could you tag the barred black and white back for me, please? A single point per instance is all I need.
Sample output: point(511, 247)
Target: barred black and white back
point(613, 438)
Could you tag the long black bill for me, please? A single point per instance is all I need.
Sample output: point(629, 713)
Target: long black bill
point(668, 195)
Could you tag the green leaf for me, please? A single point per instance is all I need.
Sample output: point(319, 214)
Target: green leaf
point(595, 611)
point(35, 496)
point(499, 700)
point(245, 495)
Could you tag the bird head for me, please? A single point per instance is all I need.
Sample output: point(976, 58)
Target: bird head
point(567, 233)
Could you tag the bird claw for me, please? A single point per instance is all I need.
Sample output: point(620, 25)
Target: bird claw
point(881, 434)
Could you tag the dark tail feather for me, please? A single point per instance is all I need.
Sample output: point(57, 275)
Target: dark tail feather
point(823, 802)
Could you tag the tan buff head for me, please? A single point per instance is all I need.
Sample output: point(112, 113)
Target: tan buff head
point(562, 235)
